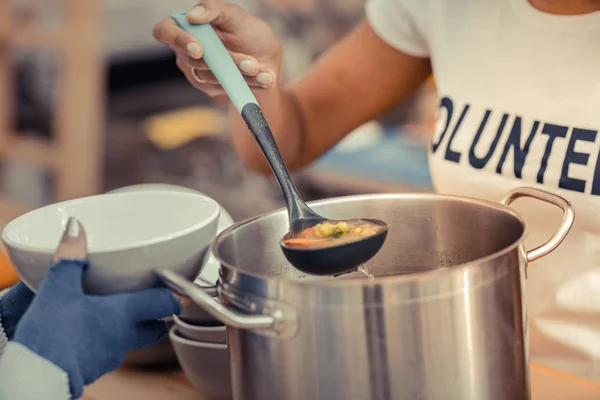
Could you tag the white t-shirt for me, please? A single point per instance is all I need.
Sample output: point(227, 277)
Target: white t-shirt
point(520, 106)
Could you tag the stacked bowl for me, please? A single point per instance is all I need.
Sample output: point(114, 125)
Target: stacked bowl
point(197, 339)
point(201, 349)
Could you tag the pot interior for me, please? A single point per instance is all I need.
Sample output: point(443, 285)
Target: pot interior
point(426, 232)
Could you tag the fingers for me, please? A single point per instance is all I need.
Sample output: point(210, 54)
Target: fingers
point(236, 28)
point(184, 301)
point(167, 31)
point(150, 332)
point(247, 64)
point(149, 304)
point(69, 263)
point(66, 276)
point(211, 90)
point(225, 16)
point(73, 243)
point(198, 72)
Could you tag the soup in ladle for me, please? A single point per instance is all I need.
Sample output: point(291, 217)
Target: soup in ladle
point(332, 233)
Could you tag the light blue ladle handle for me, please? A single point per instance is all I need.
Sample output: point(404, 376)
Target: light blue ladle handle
point(219, 61)
point(231, 79)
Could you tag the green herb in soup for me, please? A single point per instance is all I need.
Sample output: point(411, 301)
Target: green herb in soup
point(327, 230)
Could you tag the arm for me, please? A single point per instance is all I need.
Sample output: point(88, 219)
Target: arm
point(13, 304)
point(23, 374)
point(67, 338)
point(26, 376)
point(359, 79)
point(3, 337)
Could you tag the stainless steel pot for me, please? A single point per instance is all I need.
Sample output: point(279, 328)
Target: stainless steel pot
point(444, 318)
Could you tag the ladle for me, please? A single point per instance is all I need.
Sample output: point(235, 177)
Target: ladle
point(333, 260)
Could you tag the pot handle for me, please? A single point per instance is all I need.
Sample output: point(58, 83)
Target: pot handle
point(565, 225)
point(173, 280)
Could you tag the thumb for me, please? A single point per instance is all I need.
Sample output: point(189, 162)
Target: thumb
point(150, 304)
point(225, 16)
point(65, 276)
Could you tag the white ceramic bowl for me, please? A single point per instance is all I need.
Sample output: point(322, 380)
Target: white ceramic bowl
point(128, 234)
point(210, 272)
point(206, 365)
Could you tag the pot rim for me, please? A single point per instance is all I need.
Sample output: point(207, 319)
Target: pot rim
point(400, 278)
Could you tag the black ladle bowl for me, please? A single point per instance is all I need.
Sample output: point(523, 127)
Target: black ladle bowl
point(339, 258)
point(333, 260)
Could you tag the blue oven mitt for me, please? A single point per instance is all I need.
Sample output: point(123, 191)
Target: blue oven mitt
point(86, 335)
point(13, 304)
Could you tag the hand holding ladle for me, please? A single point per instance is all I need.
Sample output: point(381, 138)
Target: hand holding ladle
point(338, 256)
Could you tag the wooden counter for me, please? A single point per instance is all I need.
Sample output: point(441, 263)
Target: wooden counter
point(547, 384)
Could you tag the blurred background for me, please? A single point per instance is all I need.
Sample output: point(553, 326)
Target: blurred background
point(90, 102)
